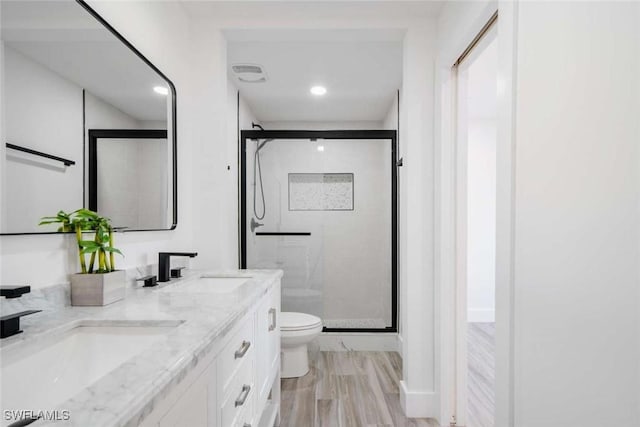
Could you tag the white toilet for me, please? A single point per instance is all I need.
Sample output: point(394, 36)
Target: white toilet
point(297, 330)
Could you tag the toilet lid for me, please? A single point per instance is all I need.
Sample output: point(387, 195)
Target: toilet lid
point(291, 321)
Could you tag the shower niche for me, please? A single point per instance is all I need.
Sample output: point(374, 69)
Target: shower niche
point(321, 192)
point(325, 202)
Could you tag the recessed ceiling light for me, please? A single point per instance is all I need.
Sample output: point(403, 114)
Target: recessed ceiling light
point(320, 147)
point(162, 90)
point(318, 90)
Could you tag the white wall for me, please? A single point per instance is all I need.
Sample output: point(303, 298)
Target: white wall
point(416, 177)
point(117, 183)
point(577, 189)
point(155, 204)
point(239, 117)
point(391, 119)
point(102, 115)
point(477, 133)
point(44, 113)
point(245, 114)
point(46, 260)
point(132, 186)
point(481, 220)
point(152, 124)
point(373, 125)
point(3, 137)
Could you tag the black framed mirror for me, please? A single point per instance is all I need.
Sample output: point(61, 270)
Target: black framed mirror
point(89, 122)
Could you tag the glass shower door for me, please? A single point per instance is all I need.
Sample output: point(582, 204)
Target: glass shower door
point(321, 210)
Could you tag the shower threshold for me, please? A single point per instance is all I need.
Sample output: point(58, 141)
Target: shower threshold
point(355, 323)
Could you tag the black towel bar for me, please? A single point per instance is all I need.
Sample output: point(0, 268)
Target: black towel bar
point(66, 162)
point(282, 233)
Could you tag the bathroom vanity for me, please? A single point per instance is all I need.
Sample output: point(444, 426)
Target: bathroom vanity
point(203, 350)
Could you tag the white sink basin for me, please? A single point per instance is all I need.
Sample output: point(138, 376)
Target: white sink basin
point(226, 277)
point(41, 376)
point(219, 285)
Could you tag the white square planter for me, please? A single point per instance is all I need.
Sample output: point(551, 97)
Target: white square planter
point(97, 289)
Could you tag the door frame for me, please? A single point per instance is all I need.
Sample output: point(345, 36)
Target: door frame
point(390, 135)
point(485, 36)
point(446, 265)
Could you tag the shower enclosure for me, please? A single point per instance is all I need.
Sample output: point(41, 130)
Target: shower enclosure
point(321, 206)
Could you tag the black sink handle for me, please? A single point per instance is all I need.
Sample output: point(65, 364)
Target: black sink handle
point(24, 422)
point(10, 324)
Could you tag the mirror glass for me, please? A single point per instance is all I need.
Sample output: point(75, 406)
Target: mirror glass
point(87, 122)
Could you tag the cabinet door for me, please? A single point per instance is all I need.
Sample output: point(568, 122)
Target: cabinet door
point(268, 335)
point(274, 333)
point(196, 407)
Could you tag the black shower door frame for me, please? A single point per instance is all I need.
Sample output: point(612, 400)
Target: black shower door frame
point(391, 135)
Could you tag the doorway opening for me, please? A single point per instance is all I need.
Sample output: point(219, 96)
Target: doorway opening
point(317, 123)
point(476, 137)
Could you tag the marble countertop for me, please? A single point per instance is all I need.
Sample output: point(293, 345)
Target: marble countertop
point(127, 394)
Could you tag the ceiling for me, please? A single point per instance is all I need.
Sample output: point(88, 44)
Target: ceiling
point(361, 69)
point(66, 39)
point(285, 13)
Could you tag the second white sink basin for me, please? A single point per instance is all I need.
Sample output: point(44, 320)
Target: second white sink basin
point(41, 376)
point(219, 285)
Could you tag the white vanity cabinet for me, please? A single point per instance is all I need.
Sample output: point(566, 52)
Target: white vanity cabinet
point(236, 374)
point(237, 384)
point(193, 407)
point(268, 349)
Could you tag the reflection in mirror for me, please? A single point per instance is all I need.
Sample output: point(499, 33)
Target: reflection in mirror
point(65, 77)
point(124, 180)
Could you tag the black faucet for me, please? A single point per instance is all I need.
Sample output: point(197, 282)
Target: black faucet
point(14, 291)
point(164, 269)
point(10, 324)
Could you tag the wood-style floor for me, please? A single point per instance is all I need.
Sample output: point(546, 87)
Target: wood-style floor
point(347, 389)
point(481, 380)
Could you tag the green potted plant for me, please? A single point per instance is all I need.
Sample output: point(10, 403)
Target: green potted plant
point(98, 283)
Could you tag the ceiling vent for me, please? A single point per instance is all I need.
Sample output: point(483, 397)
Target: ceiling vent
point(249, 73)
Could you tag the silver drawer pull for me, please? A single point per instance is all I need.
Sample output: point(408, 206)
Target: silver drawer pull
point(272, 315)
point(243, 395)
point(243, 349)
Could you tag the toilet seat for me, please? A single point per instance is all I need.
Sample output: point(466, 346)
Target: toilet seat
point(291, 321)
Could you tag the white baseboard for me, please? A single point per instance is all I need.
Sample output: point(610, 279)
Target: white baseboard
point(360, 341)
point(418, 404)
point(481, 315)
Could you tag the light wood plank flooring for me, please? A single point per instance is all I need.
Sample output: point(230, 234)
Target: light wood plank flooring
point(481, 380)
point(347, 389)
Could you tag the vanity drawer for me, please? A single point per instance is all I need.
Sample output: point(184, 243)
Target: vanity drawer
point(246, 416)
point(238, 402)
point(239, 349)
